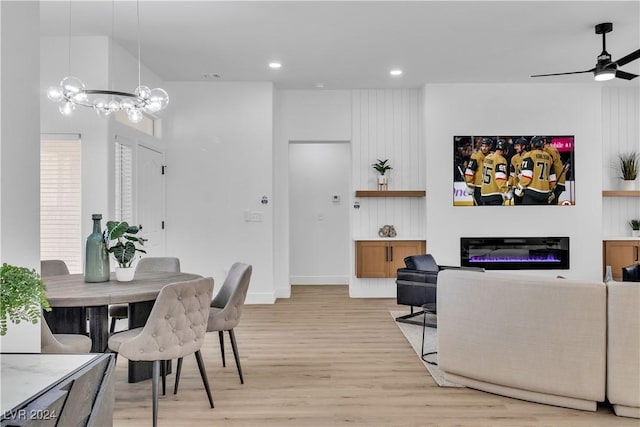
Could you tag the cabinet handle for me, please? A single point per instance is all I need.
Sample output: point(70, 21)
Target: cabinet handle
point(635, 248)
point(386, 253)
point(391, 253)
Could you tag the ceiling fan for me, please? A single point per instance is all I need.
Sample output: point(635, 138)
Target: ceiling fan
point(605, 69)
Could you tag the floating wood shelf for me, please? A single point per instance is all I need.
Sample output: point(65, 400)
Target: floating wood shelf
point(621, 193)
point(391, 193)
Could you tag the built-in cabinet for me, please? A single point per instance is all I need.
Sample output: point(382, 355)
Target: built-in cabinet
point(382, 258)
point(620, 253)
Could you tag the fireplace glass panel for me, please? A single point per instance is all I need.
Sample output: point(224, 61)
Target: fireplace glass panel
point(515, 253)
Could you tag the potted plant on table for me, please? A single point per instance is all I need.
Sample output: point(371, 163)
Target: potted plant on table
point(635, 227)
point(629, 165)
point(120, 241)
point(382, 166)
point(22, 296)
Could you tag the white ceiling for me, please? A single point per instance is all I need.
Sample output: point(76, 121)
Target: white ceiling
point(354, 44)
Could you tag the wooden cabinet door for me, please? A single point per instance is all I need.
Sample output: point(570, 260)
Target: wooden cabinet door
point(372, 258)
point(620, 254)
point(400, 250)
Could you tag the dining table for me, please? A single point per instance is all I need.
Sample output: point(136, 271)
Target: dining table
point(72, 300)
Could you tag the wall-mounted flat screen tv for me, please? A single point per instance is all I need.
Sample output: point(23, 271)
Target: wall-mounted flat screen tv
point(513, 170)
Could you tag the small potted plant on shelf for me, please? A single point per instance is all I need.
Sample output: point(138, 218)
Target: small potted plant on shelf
point(635, 227)
point(629, 165)
point(22, 296)
point(120, 241)
point(382, 166)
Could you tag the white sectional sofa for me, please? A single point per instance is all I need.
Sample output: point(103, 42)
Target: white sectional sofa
point(532, 338)
point(623, 348)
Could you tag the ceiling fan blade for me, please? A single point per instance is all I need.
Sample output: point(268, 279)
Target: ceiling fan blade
point(625, 75)
point(626, 59)
point(562, 74)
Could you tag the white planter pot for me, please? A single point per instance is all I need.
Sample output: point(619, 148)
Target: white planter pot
point(382, 179)
point(635, 233)
point(125, 274)
point(627, 184)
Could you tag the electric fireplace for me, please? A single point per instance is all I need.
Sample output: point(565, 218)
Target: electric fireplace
point(515, 253)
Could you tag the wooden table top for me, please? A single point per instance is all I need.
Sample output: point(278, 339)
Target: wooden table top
point(72, 291)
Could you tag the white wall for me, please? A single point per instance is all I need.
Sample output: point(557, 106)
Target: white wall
point(218, 139)
point(620, 133)
point(512, 109)
point(20, 152)
point(387, 124)
point(300, 115)
point(320, 238)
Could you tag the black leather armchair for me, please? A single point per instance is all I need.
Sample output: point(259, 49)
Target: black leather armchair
point(416, 285)
point(631, 273)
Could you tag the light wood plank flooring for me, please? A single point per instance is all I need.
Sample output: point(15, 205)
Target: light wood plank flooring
point(324, 359)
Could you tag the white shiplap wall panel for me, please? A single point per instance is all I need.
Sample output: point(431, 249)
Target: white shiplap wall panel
point(620, 133)
point(386, 124)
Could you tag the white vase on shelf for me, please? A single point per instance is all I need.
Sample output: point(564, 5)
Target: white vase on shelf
point(635, 233)
point(627, 184)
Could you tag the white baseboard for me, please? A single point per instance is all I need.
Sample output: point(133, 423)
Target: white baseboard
point(319, 280)
point(260, 298)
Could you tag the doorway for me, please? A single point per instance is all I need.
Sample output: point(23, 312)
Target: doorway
point(319, 185)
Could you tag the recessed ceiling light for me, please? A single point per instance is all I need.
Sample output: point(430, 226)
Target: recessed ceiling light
point(320, 85)
point(395, 72)
point(209, 76)
point(275, 65)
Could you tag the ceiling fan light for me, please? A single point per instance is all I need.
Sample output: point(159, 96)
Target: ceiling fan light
point(605, 75)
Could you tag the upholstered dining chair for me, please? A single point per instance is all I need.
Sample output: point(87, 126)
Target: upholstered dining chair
point(62, 343)
point(175, 328)
point(145, 265)
point(226, 309)
point(53, 267)
point(59, 343)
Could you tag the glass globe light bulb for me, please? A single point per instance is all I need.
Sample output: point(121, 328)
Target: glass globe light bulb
point(101, 107)
point(135, 115)
point(127, 104)
point(54, 93)
point(114, 105)
point(158, 100)
point(71, 86)
point(66, 108)
point(142, 92)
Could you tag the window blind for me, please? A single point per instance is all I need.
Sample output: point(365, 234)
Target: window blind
point(124, 182)
point(60, 198)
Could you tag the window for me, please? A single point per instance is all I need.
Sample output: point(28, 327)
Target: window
point(124, 182)
point(60, 208)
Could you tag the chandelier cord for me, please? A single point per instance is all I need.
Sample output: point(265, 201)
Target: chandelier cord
point(111, 67)
point(138, 16)
point(69, 44)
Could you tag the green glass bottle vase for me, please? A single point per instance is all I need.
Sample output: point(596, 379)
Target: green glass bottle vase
point(96, 266)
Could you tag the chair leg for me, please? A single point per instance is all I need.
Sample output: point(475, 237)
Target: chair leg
point(113, 325)
point(154, 390)
point(178, 371)
point(163, 373)
point(203, 374)
point(232, 335)
point(221, 338)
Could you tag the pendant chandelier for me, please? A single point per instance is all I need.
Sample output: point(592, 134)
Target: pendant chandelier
point(72, 92)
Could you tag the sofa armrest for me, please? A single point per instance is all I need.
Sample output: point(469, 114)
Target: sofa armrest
point(623, 345)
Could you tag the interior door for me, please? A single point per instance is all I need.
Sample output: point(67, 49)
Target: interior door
point(150, 199)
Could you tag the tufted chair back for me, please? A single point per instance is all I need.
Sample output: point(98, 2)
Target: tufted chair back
point(228, 304)
point(53, 267)
point(156, 264)
point(176, 325)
